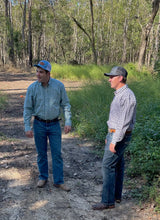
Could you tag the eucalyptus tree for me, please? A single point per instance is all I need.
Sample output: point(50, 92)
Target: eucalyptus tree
point(156, 43)
point(3, 33)
point(97, 31)
point(30, 32)
point(9, 30)
point(51, 30)
point(146, 31)
point(91, 36)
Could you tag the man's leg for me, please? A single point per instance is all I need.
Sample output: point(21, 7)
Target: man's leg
point(54, 134)
point(41, 146)
point(119, 179)
point(120, 148)
point(108, 169)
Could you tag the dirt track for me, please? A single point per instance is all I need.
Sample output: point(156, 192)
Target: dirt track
point(19, 197)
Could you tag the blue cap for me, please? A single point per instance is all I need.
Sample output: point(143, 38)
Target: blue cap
point(44, 64)
point(117, 71)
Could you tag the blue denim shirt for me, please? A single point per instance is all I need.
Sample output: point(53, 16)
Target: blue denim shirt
point(46, 102)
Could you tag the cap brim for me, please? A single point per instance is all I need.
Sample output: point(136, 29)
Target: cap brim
point(37, 65)
point(107, 74)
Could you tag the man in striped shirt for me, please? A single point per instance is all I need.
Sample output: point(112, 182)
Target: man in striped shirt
point(120, 124)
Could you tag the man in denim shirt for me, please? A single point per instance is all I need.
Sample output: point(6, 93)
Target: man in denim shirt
point(120, 124)
point(44, 99)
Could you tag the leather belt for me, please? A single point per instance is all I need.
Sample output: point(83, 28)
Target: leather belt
point(46, 121)
point(112, 130)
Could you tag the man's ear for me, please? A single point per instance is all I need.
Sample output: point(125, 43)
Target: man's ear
point(120, 78)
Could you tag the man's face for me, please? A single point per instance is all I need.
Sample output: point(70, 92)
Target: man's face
point(115, 81)
point(42, 75)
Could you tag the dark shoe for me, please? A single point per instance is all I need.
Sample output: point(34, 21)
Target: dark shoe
point(101, 206)
point(118, 200)
point(63, 187)
point(41, 183)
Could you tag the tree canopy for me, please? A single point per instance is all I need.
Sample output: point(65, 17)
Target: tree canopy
point(70, 31)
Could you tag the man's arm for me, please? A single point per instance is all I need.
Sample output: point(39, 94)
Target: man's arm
point(67, 111)
point(27, 113)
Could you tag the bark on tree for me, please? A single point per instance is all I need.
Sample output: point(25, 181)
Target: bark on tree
point(146, 31)
point(30, 33)
point(157, 44)
point(92, 37)
point(125, 41)
point(92, 32)
point(23, 28)
point(9, 25)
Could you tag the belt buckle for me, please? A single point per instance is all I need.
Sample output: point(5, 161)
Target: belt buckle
point(112, 130)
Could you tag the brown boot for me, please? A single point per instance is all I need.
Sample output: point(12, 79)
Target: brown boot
point(63, 187)
point(101, 206)
point(41, 183)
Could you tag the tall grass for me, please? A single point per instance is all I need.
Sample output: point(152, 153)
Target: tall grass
point(92, 72)
point(90, 108)
point(78, 72)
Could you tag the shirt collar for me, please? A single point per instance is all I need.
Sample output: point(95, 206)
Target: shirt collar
point(118, 91)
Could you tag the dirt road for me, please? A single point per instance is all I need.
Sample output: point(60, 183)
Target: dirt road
point(19, 197)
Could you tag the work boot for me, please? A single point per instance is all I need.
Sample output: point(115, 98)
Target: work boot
point(63, 187)
point(41, 183)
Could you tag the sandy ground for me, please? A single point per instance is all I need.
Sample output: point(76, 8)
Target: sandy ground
point(19, 197)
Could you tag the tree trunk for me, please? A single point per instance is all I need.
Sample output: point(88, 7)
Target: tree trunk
point(24, 21)
point(157, 43)
point(91, 39)
point(92, 32)
point(30, 33)
point(146, 31)
point(23, 30)
point(125, 41)
point(9, 25)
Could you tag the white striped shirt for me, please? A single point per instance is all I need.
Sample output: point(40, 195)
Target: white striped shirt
point(122, 113)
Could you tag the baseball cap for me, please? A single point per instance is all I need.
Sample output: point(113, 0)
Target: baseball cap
point(44, 64)
point(117, 71)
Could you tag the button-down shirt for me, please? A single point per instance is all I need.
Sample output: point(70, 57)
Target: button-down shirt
point(122, 113)
point(46, 102)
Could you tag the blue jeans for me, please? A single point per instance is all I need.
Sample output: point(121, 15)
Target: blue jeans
point(51, 131)
point(113, 170)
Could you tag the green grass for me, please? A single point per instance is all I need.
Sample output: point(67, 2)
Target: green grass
point(78, 72)
point(3, 101)
point(92, 72)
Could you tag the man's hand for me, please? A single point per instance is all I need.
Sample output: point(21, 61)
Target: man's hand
point(67, 129)
point(29, 134)
point(112, 148)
